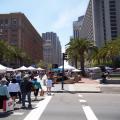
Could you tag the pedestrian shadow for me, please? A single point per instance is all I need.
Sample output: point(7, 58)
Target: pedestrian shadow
point(66, 91)
point(38, 99)
point(5, 114)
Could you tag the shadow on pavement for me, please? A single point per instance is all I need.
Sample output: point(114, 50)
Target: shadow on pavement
point(5, 114)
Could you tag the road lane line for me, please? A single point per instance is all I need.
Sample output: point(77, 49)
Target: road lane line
point(89, 113)
point(36, 113)
point(83, 101)
point(87, 109)
point(18, 113)
point(81, 96)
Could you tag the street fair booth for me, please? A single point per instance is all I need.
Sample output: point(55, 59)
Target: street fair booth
point(2, 68)
point(23, 68)
point(31, 68)
point(67, 67)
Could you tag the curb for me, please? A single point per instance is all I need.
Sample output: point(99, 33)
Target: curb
point(65, 91)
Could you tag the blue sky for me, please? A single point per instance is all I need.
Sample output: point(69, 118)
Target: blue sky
point(49, 15)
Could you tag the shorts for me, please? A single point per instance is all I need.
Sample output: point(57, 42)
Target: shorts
point(13, 94)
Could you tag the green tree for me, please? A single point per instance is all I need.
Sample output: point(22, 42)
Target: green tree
point(80, 47)
point(109, 52)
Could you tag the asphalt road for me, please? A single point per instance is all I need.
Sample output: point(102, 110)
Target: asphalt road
point(71, 106)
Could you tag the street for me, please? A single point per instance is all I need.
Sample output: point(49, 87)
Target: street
point(71, 106)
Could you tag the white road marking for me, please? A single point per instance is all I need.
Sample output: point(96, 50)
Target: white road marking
point(83, 101)
point(80, 95)
point(36, 113)
point(18, 113)
point(89, 113)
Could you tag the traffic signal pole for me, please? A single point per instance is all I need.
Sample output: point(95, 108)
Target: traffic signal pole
point(62, 82)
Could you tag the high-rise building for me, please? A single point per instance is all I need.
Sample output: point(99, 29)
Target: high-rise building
point(51, 48)
point(101, 22)
point(17, 30)
point(77, 26)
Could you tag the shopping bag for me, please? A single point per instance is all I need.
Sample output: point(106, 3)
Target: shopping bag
point(8, 105)
point(42, 93)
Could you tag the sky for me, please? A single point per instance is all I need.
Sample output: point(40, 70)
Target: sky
point(49, 15)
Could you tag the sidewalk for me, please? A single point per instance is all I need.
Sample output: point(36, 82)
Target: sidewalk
point(85, 85)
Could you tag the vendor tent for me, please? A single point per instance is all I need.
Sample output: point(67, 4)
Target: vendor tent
point(67, 67)
point(40, 69)
point(76, 70)
point(2, 68)
point(31, 68)
point(22, 68)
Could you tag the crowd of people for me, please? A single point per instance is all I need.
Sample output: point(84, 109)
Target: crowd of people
point(21, 84)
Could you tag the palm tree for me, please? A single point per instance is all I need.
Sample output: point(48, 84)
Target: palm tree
point(107, 53)
point(71, 52)
point(80, 47)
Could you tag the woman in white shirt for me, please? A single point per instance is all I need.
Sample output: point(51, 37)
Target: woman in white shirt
point(13, 89)
point(49, 85)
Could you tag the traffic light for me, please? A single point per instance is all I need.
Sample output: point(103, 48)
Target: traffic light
point(65, 56)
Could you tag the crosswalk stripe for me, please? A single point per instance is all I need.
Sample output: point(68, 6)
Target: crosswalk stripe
point(36, 113)
point(18, 113)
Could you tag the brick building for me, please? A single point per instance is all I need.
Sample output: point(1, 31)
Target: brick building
point(17, 30)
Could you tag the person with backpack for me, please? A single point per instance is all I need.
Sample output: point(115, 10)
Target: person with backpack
point(36, 86)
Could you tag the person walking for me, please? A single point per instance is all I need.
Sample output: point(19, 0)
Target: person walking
point(13, 89)
point(4, 94)
point(26, 86)
point(49, 83)
point(36, 86)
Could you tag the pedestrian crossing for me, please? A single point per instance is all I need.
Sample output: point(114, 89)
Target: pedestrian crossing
point(35, 104)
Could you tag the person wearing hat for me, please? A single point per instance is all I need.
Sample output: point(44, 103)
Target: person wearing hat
point(4, 94)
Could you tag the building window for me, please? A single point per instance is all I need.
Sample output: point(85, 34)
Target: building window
point(13, 42)
point(1, 22)
point(14, 21)
point(6, 21)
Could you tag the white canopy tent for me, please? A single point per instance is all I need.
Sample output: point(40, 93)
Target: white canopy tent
point(31, 68)
point(40, 69)
point(9, 69)
point(2, 68)
point(76, 70)
point(22, 68)
point(67, 66)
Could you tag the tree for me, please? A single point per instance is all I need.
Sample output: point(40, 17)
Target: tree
point(109, 52)
point(12, 55)
point(79, 47)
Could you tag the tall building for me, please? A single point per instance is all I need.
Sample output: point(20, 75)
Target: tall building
point(17, 30)
point(77, 26)
point(101, 22)
point(51, 48)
